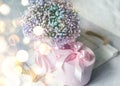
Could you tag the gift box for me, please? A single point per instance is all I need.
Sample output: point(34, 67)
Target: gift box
point(72, 64)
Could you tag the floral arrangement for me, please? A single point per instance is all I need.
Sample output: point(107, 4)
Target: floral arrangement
point(51, 24)
point(51, 19)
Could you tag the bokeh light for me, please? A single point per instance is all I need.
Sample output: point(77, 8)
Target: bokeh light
point(4, 9)
point(2, 27)
point(13, 39)
point(2, 57)
point(3, 45)
point(15, 48)
point(38, 30)
point(22, 56)
point(16, 22)
point(19, 69)
point(25, 2)
point(2, 81)
point(37, 69)
point(13, 81)
point(8, 67)
point(26, 40)
point(44, 49)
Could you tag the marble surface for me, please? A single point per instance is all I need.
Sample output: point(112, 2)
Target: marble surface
point(107, 74)
point(104, 13)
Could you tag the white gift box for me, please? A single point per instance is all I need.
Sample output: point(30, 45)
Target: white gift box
point(73, 67)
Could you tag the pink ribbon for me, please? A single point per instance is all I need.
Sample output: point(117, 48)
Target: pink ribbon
point(79, 59)
point(45, 60)
point(77, 55)
point(42, 61)
point(74, 54)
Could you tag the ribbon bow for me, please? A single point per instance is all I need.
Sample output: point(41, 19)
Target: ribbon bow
point(74, 54)
point(78, 55)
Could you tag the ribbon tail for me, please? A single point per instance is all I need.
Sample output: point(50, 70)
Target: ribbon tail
point(46, 63)
point(38, 60)
point(62, 59)
point(78, 72)
point(61, 62)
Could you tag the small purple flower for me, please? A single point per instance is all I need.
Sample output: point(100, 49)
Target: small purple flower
point(59, 21)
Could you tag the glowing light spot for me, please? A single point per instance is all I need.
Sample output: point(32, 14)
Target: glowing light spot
point(8, 67)
point(4, 9)
point(38, 30)
point(3, 45)
point(13, 39)
point(12, 51)
point(25, 2)
point(44, 49)
point(22, 56)
point(37, 44)
point(26, 40)
point(2, 27)
point(37, 69)
point(16, 22)
point(27, 80)
point(2, 57)
point(2, 81)
point(19, 69)
point(13, 81)
point(27, 83)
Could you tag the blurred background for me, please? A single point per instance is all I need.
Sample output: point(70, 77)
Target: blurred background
point(12, 42)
